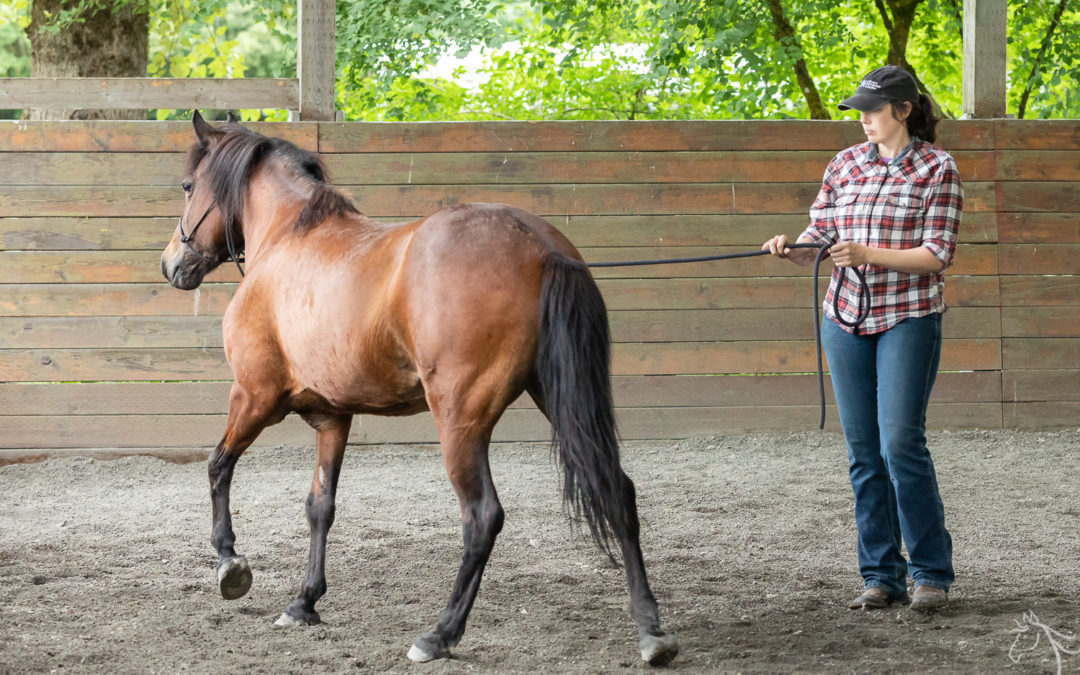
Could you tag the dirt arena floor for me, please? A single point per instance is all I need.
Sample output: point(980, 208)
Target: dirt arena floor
point(106, 566)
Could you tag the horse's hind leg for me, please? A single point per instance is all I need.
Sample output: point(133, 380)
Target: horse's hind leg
point(246, 420)
point(465, 448)
point(657, 647)
point(332, 433)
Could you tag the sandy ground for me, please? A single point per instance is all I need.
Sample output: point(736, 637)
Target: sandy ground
point(106, 566)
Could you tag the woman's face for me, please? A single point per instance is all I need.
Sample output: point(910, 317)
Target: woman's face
point(882, 126)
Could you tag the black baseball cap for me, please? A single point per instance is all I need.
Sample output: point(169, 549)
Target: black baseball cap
point(878, 87)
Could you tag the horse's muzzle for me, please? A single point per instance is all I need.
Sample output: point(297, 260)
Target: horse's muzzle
point(181, 269)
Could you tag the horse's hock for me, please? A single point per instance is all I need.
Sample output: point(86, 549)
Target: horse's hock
point(100, 355)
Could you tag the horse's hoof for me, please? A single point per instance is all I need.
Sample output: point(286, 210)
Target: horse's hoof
point(234, 577)
point(426, 649)
point(659, 650)
point(286, 620)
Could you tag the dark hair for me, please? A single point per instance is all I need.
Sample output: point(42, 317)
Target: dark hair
point(236, 156)
point(921, 122)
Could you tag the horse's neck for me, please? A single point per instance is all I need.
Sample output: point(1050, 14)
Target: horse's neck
point(272, 203)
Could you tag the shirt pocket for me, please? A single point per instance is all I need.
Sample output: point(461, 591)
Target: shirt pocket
point(900, 222)
point(903, 202)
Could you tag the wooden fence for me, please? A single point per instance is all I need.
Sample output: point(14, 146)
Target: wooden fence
point(98, 354)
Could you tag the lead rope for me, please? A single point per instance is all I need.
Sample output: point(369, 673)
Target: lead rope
point(864, 298)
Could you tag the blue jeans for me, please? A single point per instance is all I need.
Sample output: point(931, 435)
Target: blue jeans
point(882, 384)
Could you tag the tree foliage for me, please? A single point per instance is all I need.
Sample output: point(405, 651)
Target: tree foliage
point(604, 59)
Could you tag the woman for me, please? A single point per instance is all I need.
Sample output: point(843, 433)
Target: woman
point(892, 207)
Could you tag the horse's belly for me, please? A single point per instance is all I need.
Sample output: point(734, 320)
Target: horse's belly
point(307, 401)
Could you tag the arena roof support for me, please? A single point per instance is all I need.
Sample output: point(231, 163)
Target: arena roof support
point(984, 59)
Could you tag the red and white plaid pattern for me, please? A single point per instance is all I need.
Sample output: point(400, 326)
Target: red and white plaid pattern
point(915, 200)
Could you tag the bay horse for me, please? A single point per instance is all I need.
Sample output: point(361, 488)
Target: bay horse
point(457, 313)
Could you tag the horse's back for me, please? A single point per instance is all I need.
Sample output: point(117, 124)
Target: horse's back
point(470, 290)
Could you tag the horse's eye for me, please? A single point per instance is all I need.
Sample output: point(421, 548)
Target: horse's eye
point(186, 185)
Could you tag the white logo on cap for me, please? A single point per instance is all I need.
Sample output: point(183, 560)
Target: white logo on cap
point(869, 84)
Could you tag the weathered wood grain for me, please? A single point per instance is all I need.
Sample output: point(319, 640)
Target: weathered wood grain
point(746, 231)
point(143, 92)
point(140, 136)
point(203, 431)
point(708, 391)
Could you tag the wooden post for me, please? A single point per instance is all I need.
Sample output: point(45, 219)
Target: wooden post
point(984, 59)
point(315, 60)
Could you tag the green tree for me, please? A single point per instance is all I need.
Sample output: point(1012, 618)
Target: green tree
point(604, 59)
point(95, 40)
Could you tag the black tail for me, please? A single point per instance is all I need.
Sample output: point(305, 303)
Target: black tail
point(574, 367)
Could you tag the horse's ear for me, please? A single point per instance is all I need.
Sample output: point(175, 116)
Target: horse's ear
point(230, 118)
point(203, 131)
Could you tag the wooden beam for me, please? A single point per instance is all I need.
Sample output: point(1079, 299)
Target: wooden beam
point(984, 59)
point(142, 92)
point(315, 60)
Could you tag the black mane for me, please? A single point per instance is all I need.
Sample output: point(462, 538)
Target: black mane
point(236, 155)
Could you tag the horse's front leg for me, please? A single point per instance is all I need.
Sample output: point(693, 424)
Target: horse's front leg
point(246, 420)
point(332, 433)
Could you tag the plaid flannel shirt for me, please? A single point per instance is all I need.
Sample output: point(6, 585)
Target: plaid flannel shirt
point(915, 200)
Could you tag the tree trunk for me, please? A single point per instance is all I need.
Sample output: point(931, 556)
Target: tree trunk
point(785, 34)
point(105, 42)
point(899, 30)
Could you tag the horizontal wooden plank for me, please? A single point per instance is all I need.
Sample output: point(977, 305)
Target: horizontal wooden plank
point(85, 234)
point(157, 299)
point(766, 324)
point(145, 92)
point(744, 230)
point(403, 200)
point(1041, 385)
point(1040, 291)
point(200, 398)
point(128, 168)
point(115, 364)
point(1038, 165)
point(175, 455)
point(1038, 228)
point(1040, 353)
point(203, 431)
point(136, 136)
point(38, 267)
point(91, 267)
point(168, 332)
point(1040, 321)
point(210, 299)
point(1047, 196)
point(765, 356)
point(976, 165)
point(628, 358)
point(93, 168)
point(1037, 134)
point(701, 135)
point(1039, 258)
point(619, 199)
point(1041, 416)
point(577, 167)
point(143, 332)
point(164, 168)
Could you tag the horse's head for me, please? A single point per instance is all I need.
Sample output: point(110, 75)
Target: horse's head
point(208, 233)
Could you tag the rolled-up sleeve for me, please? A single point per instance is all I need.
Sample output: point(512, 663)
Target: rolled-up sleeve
point(822, 227)
point(943, 213)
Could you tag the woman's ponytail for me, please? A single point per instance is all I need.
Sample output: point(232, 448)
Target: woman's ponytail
point(921, 122)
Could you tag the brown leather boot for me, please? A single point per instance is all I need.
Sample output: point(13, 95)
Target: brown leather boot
point(928, 598)
point(872, 598)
